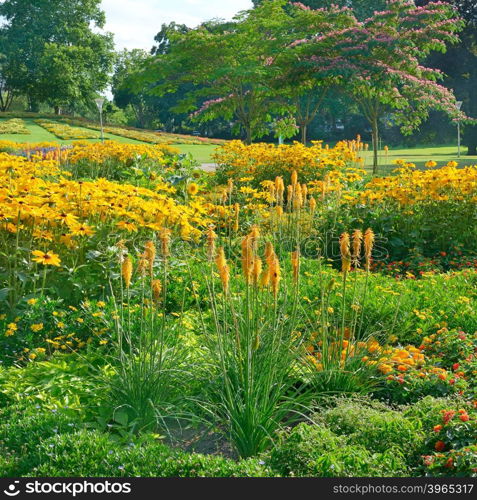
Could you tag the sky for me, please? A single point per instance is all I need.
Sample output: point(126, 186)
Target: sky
point(136, 22)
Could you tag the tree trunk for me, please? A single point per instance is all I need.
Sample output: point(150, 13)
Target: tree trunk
point(304, 129)
point(375, 137)
point(57, 110)
point(248, 132)
point(33, 105)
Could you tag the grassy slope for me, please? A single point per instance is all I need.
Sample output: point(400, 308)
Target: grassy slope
point(203, 153)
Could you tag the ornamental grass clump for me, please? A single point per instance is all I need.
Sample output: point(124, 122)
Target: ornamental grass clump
point(147, 358)
point(253, 348)
point(336, 349)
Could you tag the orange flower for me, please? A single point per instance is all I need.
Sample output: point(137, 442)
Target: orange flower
point(439, 446)
point(345, 252)
point(211, 237)
point(357, 242)
point(156, 287)
point(127, 270)
point(295, 259)
point(368, 246)
point(223, 268)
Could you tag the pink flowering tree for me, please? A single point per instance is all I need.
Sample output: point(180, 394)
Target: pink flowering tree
point(379, 62)
point(302, 83)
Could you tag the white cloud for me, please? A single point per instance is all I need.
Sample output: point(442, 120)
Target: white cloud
point(136, 22)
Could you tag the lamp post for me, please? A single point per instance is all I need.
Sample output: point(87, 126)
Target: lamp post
point(458, 105)
point(99, 102)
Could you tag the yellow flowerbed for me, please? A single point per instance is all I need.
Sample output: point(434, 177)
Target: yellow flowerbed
point(266, 161)
point(13, 126)
point(39, 199)
point(65, 132)
point(410, 186)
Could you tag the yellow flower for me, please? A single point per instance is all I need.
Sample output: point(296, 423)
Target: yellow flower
point(81, 230)
point(36, 327)
point(192, 188)
point(47, 259)
point(32, 302)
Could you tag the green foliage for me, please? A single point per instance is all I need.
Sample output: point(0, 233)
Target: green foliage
point(310, 450)
point(35, 441)
point(24, 427)
point(62, 381)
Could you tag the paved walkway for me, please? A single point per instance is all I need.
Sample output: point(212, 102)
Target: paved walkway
point(208, 167)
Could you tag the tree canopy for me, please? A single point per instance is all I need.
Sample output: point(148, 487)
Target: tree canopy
point(51, 51)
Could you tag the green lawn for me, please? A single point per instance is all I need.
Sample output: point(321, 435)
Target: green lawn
point(203, 152)
point(419, 156)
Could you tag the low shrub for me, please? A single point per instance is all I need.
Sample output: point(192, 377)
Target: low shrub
point(376, 427)
point(89, 453)
point(311, 450)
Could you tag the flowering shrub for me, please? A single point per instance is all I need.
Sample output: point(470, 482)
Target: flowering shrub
point(98, 153)
point(421, 213)
point(453, 442)
point(416, 265)
point(43, 209)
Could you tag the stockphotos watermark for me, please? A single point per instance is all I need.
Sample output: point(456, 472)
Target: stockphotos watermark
point(67, 487)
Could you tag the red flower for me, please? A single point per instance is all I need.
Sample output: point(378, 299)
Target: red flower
point(428, 459)
point(447, 415)
point(455, 366)
point(450, 463)
point(437, 428)
point(439, 446)
point(464, 417)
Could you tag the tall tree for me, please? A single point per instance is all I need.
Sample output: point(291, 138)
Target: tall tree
point(459, 65)
point(243, 71)
point(128, 63)
point(52, 51)
point(381, 59)
point(228, 67)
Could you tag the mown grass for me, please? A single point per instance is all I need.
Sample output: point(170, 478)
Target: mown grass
point(419, 156)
